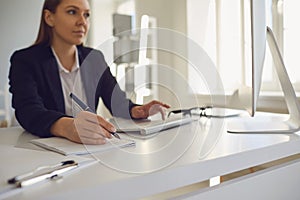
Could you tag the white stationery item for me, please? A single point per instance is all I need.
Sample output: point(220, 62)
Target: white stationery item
point(66, 147)
point(30, 167)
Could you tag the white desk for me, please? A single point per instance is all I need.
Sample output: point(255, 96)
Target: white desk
point(185, 156)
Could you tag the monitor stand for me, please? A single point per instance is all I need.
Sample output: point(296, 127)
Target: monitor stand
point(269, 124)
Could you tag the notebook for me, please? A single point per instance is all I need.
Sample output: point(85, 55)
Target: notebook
point(66, 147)
point(147, 127)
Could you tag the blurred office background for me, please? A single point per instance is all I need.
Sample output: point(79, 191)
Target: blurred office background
point(220, 27)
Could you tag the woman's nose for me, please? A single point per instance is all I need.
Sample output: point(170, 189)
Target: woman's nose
point(82, 20)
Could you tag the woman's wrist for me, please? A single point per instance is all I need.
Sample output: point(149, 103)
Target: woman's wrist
point(59, 127)
point(135, 113)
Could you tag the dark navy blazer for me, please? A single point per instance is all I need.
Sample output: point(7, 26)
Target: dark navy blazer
point(37, 94)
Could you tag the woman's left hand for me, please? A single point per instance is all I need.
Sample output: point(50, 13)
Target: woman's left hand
point(151, 108)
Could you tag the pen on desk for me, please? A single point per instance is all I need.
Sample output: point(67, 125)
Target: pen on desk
point(84, 107)
point(42, 173)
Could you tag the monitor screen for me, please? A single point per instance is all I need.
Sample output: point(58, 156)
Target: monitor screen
point(247, 95)
point(260, 34)
point(258, 48)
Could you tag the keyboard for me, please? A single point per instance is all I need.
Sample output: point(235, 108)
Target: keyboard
point(147, 127)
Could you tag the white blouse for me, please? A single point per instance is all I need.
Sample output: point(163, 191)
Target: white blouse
point(71, 83)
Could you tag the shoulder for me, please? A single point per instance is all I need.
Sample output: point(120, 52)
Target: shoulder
point(34, 51)
point(88, 52)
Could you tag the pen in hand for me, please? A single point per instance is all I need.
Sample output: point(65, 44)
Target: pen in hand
point(84, 107)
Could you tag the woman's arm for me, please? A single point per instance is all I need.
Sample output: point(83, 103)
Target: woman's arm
point(24, 79)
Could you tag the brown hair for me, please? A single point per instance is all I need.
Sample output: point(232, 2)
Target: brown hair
point(45, 32)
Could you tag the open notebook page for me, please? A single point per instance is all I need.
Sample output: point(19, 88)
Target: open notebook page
point(66, 147)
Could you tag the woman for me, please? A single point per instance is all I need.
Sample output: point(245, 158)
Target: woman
point(43, 75)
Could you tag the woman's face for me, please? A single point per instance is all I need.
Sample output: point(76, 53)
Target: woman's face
point(70, 22)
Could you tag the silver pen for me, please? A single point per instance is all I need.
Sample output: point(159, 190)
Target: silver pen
point(84, 107)
point(42, 173)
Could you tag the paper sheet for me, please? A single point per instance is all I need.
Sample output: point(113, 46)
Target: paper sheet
point(66, 147)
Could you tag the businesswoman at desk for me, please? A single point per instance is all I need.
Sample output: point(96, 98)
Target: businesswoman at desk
point(43, 75)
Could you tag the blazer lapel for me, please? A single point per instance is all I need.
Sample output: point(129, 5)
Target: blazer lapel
point(52, 76)
point(87, 80)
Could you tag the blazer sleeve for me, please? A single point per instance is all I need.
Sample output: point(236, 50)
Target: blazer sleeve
point(112, 95)
point(29, 106)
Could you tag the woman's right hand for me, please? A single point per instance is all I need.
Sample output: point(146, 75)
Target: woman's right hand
point(86, 128)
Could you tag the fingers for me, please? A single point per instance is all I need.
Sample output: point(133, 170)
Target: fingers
point(92, 126)
point(149, 109)
point(84, 128)
point(93, 141)
point(162, 112)
point(78, 137)
point(97, 120)
point(105, 124)
point(155, 102)
point(158, 109)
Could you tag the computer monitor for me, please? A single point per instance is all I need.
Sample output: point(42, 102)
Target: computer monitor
point(260, 34)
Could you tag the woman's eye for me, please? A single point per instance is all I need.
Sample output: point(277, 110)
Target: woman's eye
point(72, 12)
point(87, 15)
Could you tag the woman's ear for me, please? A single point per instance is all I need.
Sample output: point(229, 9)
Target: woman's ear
point(48, 17)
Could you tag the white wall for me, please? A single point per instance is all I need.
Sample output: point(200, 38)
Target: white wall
point(19, 25)
point(101, 21)
point(171, 15)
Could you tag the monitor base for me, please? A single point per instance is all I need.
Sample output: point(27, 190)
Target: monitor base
point(264, 125)
point(270, 125)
